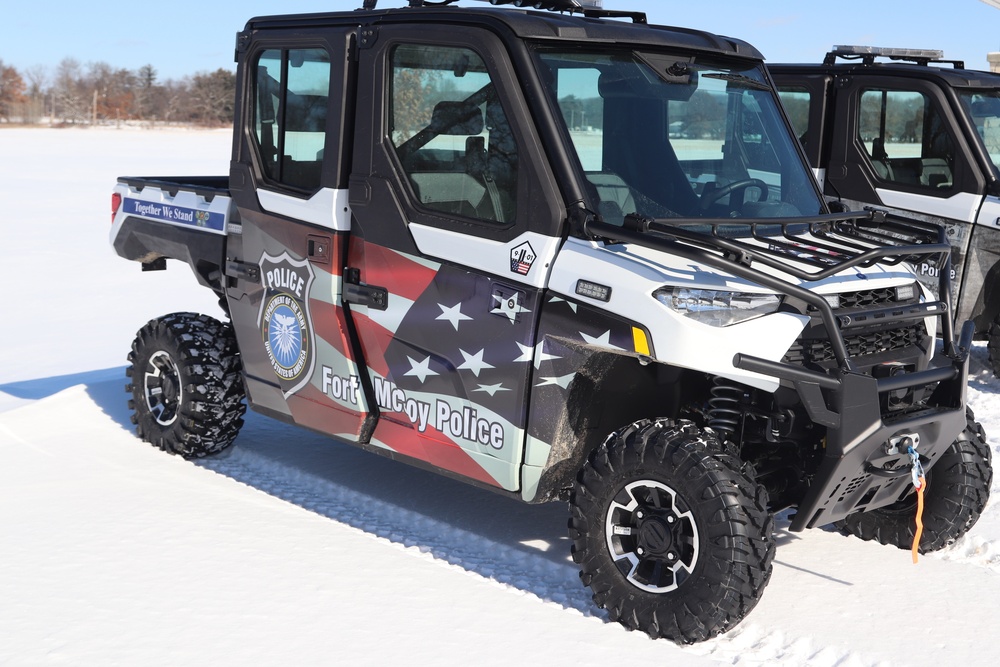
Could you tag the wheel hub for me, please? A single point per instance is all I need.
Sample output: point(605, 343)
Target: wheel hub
point(162, 388)
point(655, 536)
point(652, 536)
point(170, 389)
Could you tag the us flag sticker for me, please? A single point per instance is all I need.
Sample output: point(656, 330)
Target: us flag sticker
point(521, 259)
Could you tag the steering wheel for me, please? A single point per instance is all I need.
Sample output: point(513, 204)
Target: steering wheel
point(712, 196)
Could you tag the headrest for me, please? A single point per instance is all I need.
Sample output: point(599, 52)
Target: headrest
point(457, 118)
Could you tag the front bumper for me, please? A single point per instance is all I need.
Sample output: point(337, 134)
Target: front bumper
point(860, 470)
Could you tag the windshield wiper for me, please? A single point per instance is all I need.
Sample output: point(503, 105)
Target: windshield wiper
point(739, 79)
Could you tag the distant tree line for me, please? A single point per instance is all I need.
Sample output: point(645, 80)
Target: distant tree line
point(98, 93)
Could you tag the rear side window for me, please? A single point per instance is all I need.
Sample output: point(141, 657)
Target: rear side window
point(906, 139)
point(291, 97)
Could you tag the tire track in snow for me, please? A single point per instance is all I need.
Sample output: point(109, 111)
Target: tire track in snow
point(747, 645)
point(547, 580)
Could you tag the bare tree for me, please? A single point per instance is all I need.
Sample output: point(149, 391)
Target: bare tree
point(143, 92)
point(99, 93)
point(111, 91)
point(171, 99)
point(212, 97)
point(37, 77)
point(69, 91)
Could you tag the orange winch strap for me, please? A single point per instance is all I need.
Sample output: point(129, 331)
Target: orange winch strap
point(920, 518)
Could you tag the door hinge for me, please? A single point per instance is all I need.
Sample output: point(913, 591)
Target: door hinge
point(243, 271)
point(367, 36)
point(364, 295)
point(242, 42)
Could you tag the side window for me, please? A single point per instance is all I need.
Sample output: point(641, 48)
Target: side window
point(906, 139)
point(795, 99)
point(451, 134)
point(291, 96)
point(582, 107)
point(583, 112)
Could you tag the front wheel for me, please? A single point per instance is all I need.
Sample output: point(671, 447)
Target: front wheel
point(958, 487)
point(187, 393)
point(672, 534)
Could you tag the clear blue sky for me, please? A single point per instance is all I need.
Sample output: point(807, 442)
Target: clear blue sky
point(182, 37)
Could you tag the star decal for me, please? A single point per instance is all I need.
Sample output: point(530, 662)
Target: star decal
point(420, 369)
point(474, 362)
point(604, 340)
point(557, 299)
point(562, 381)
point(509, 306)
point(536, 354)
point(453, 314)
point(491, 388)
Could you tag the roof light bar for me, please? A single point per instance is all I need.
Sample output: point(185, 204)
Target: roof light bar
point(886, 52)
point(551, 5)
point(868, 54)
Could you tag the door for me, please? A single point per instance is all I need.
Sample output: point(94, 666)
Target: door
point(898, 146)
point(286, 256)
point(455, 223)
point(804, 98)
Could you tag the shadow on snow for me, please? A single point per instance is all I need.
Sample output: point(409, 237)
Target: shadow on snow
point(524, 546)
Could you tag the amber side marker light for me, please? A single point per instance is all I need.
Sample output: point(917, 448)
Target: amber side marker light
point(639, 341)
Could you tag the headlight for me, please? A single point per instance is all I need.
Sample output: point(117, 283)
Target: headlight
point(717, 308)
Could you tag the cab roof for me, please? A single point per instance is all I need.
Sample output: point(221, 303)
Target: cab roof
point(528, 25)
point(907, 63)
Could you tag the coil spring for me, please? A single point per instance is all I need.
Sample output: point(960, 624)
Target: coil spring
point(724, 407)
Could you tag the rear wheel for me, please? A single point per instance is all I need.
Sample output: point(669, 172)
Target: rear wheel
point(671, 533)
point(958, 487)
point(187, 393)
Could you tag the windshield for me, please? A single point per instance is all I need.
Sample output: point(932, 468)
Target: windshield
point(669, 137)
point(983, 107)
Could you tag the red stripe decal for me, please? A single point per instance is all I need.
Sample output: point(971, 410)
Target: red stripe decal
point(391, 270)
point(375, 341)
point(328, 322)
point(432, 447)
point(314, 409)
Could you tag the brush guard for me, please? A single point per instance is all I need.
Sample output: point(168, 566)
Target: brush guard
point(861, 469)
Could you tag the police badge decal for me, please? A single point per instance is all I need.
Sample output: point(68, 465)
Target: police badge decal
point(284, 321)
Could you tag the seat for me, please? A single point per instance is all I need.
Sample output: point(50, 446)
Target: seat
point(935, 172)
point(615, 197)
point(491, 205)
point(880, 160)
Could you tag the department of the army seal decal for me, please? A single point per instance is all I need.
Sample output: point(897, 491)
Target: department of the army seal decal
point(284, 321)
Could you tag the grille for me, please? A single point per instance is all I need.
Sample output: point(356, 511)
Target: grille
point(861, 345)
point(868, 298)
point(871, 298)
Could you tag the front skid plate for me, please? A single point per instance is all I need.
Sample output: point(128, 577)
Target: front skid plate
point(845, 485)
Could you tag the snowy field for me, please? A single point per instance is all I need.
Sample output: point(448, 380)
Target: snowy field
point(291, 549)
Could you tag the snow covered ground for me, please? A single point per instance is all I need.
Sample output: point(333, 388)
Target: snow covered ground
point(291, 549)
